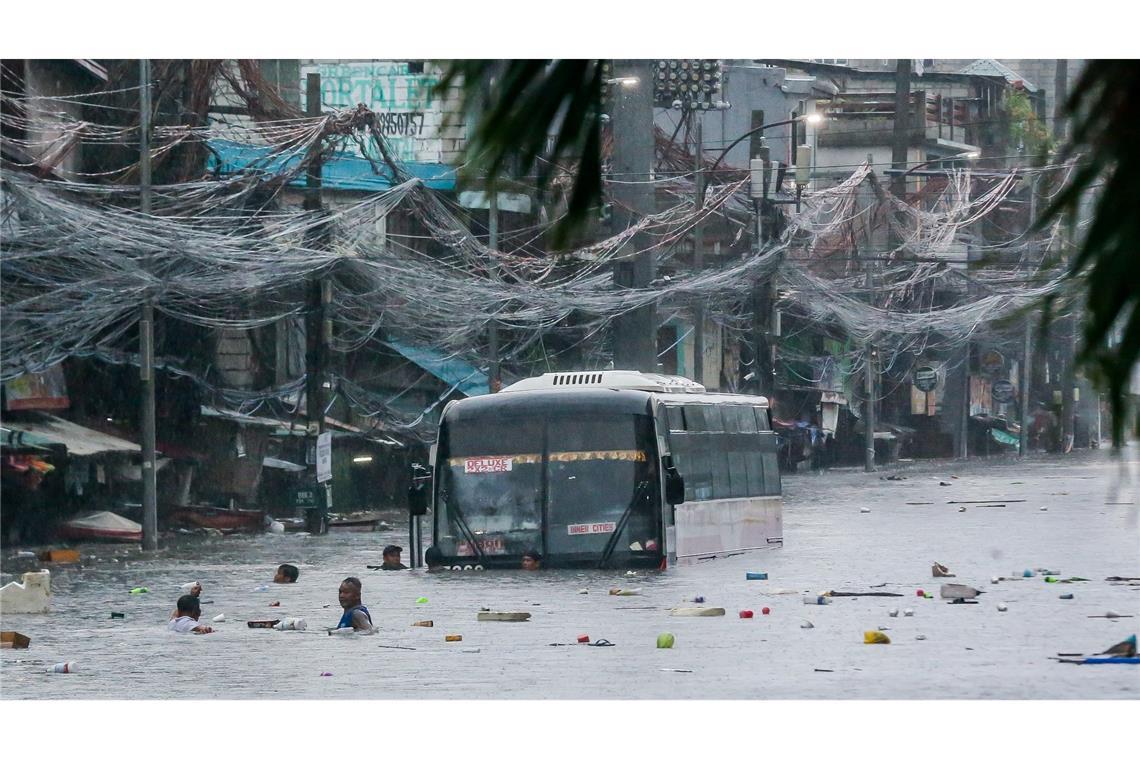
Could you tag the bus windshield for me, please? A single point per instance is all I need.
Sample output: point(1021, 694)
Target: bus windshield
point(591, 479)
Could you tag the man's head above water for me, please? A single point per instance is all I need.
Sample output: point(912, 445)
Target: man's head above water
point(349, 594)
point(531, 560)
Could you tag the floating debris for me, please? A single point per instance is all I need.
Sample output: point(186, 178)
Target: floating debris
point(875, 637)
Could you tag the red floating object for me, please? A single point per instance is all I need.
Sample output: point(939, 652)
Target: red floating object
point(746, 613)
point(765, 611)
point(583, 639)
point(920, 592)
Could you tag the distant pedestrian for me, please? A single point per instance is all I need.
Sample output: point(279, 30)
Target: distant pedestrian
point(392, 558)
point(189, 610)
point(355, 614)
point(286, 574)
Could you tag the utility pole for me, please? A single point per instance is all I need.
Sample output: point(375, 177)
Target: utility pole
point(760, 169)
point(318, 296)
point(1026, 353)
point(146, 332)
point(496, 380)
point(963, 433)
point(635, 332)
point(698, 249)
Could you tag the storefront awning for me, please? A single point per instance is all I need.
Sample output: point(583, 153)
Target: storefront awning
point(464, 377)
point(80, 441)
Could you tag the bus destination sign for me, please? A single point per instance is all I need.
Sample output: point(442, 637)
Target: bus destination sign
point(585, 529)
point(479, 465)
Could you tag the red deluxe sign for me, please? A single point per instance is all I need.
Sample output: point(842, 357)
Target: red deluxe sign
point(587, 529)
point(478, 465)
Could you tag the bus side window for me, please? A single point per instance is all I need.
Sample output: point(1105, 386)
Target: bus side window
point(746, 419)
point(676, 416)
point(695, 419)
point(761, 419)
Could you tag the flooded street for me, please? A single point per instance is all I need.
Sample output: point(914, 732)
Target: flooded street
point(1088, 528)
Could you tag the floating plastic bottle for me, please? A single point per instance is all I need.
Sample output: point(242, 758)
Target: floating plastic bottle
point(756, 576)
point(63, 667)
point(817, 599)
point(139, 590)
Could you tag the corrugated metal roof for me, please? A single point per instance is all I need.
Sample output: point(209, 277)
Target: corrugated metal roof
point(80, 441)
point(988, 67)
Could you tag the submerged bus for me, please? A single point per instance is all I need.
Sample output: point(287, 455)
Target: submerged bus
point(604, 469)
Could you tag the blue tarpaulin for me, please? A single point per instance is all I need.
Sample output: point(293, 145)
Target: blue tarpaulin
point(344, 171)
point(464, 377)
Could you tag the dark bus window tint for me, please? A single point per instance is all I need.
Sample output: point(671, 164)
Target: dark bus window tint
point(761, 418)
point(747, 418)
point(731, 418)
point(695, 418)
point(494, 437)
point(676, 418)
point(699, 477)
point(589, 433)
point(755, 467)
point(714, 419)
point(722, 487)
point(737, 474)
point(771, 474)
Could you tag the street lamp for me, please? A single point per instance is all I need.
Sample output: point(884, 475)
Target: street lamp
point(624, 81)
point(971, 154)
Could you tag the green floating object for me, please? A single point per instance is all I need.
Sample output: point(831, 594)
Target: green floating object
point(422, 600)
point(140, 590)
point(1051, 580)
point(665, 641)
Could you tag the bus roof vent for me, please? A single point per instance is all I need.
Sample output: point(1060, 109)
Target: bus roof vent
point(619, 378)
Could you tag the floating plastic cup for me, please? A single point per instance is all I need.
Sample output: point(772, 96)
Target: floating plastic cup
point(63, 667)
point(665, 641)
point(765, 611)
point(756, 576)
point(746, 613)
point(219, 618)
point(583, 639)
point(920, 592)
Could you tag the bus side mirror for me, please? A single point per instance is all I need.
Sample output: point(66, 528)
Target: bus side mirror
point(674, 483)
point(418, 500)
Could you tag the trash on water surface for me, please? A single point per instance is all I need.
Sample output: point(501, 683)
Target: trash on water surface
point(961, 509)
point(262, 588)
point(928, 595)
point(674, 670)
point(765, 611)
point(422, 600)
point(864, 510)
point(118, 615)
point(943, 483)
point(13, 640)
point(625, 592)
point(25, 555)
point(756, 576)
point(1028, 574)
point(1066, 596)
point(994, 579)
point(876, 637)
point(139, 590)
point(61, 556)
point(920, 637)
point(893, 612)
point(275, 604)
point(326, 673)
point(423, 624)
point(291, 624)
point(583, 591)
point(746, 613)
point(941, 571)
point(584, 639)
point(958, 591)
point(340, 631)
point(219, 618)
point(920, 592)
point(884, 628)
point(1044, 509)
point(817, 599)
point(503, 617)
point(63, 667)
point(807, 624)
point(696, 600)
point(262, 623)
point(1002, 607)
point(665, 641)
point(453, 637)
point(697, 612)
point(908, 612)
